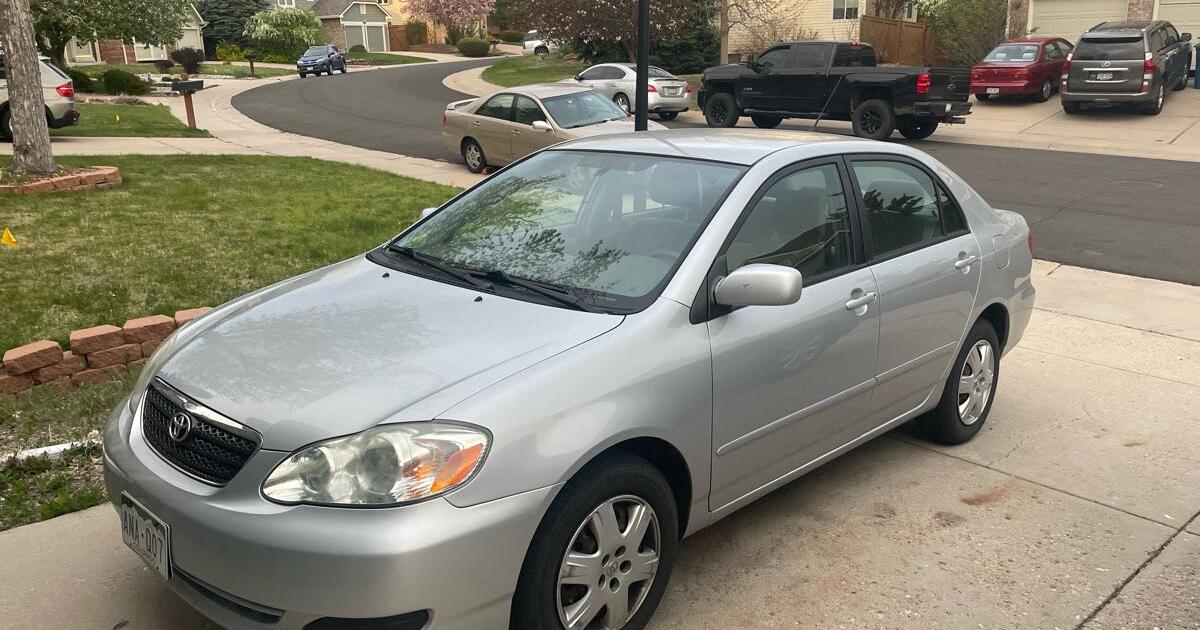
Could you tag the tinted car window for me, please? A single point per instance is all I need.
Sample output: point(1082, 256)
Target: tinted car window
point(528, 111)
point(317, 51)
point(952, 214)
point(499, 106)
point(592, 74)
point(1118, 49)
point(658, 73)
point(1158, 40)
point(811, 55)
point(801, 222)
point(901, 205)
point(776, 58)
point(848, 56)
point(1172, 35)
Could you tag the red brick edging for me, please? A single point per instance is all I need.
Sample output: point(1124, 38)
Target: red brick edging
point(86, 179)
point(97, 353)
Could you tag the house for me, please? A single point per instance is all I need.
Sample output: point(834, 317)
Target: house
point(1071, 18)
point(349, 23)
point(790, 20)
point(116, 51)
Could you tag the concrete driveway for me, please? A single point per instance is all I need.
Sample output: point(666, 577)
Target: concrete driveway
point(1076, 507)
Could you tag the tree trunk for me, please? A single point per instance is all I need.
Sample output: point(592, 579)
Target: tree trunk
point(723, 30)
point(630, 49)
point(27, 107)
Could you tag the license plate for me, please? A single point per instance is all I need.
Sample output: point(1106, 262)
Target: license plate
point(947, 107)
point(146, 534)
point(993, 90)
point(1104, 76)
point(672, 91)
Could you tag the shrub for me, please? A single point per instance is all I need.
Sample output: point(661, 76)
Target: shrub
point(278, 58)
point(358, 48)
point(241, 73)
point(474, 47)
point(164, 65)
point(121, 82)
point(416, 32)
point(285, 31)
point(966, 29)
point(81, 81)
point(512, 37)
point(189, 58)
point(230, 52)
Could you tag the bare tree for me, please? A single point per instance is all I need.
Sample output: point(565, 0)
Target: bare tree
point(892, 9)
point(26, 107)
point(762, 23)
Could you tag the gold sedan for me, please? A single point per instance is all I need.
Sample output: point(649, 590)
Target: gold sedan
point(509, 124)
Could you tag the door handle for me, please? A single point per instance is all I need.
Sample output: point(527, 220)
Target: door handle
point(516, 132)
point(861, 301)
point(965, 263)
point(475, 123)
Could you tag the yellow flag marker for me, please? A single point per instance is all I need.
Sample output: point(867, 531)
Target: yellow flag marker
point(7, 239)
point(118, 117)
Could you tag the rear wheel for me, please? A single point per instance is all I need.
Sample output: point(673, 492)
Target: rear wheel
point(1072, 108)
point(541, 51)
point(622, 101)
point(473, 156)
point(766, 121)
point(721, 110)
point(1183, 79)
point(667, 115)
point(969, 390)
point(874, 119)
point(602, 555)
point(1044, 93)
point(1154, 108)
point(5, 125)
point(917, 128)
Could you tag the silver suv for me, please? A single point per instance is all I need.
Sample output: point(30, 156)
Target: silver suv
point(1126, 62)
point(57, 90)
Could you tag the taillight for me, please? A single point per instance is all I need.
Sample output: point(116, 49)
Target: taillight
point(688, 89)
point(1021, 73)
point(650, 87)
point(1066, 71)
point(65, 90)
point(923, 82)
point(1149, 66)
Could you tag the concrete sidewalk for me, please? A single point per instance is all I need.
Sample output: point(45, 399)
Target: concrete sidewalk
point(1076, 507)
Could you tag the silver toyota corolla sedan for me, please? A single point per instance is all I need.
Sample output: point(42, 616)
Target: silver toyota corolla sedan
point(511, 413)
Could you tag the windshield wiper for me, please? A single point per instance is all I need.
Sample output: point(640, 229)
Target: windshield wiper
point(420, 258)
point(560, 295)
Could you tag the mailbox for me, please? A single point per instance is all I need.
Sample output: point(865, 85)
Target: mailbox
point(187, 86)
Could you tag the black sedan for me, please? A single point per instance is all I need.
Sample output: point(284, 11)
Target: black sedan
point(318, 59)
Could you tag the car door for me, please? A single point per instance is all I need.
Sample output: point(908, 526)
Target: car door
point(492, 127)
point(791, 383)
point(1180, 54)
point(1048, 65)
point(927, 264)
point(766, 88)
point(595, 78)
point(524, 139)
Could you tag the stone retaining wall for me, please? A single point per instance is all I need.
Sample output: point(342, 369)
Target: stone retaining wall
point(84, 179)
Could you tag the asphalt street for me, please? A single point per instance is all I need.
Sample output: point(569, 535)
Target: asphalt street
point(1127, 215)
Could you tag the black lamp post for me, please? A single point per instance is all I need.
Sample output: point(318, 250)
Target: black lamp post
point(642, 101)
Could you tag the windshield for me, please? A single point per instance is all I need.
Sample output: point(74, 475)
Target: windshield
point(580, 109)
point(316, 51)
point(1116, 49)
point(1013, 52)
point(608, 227)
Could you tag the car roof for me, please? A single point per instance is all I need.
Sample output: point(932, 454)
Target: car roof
point(737, 146)
point(543, 90)
point(1125, 27)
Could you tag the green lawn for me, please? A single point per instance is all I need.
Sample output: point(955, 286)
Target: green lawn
point(111, 119)
point(384, 59)
point(528, 69)
point(187, 231)
point(214, 68)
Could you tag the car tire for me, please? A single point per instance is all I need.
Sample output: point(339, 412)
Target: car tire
point(343, 69)
point(917, 128)
point(956, 420)
point(983, 97)
point(874, 119)
point(630, 485)
point(1155, 107)
point(1179, 87)
point(1045, 92)
point(541, 51)
point(765, 121)
point(721, 110)
point(473, 156)
point(622, 101)
point(668, 116)
point(303, 75)
point(5, 126)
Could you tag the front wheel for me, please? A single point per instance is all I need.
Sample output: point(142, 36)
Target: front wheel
point(764, 121)
point(603, 553)
point(969, 390)
point(721, 110)
point(874, 119)
point(473, 156)
point(667, 116)
point(343, 69)
point(541, 51)
point(1044, 93)
point(303, 75)
point(622, 101)
point(917, 128)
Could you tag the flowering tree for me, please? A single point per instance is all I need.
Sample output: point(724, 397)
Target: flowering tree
point(605, 20)
point(283, 30)
point(457, 13)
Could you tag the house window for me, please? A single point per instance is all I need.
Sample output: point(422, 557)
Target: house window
point(286, 3)
point(845, 9)
point(910, 11)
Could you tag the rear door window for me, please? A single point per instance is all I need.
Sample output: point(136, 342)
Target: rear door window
point(528, 111)
point(811, 55)
point(499, 106)
point(1116, 49)
point(1158, 40)
point(901, 205)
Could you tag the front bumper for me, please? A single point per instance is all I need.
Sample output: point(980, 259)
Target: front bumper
point(941, 109)
point(246, 562)
point(324, 67)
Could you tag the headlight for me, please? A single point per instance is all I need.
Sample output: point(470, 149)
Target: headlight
point(387, 465)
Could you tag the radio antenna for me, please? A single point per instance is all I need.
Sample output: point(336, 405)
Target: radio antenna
point(826, 105)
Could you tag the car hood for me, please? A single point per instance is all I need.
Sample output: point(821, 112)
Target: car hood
point(344, 348)
point(310, 59)
point(612, 126)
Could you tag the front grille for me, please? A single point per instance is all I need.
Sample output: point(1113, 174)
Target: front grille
point(208, 451)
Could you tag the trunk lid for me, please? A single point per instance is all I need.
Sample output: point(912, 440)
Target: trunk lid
point(670, 87)
point(1015, 71)
point(1108, 65)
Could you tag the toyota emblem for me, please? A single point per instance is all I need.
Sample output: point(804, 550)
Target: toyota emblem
point(181, 427)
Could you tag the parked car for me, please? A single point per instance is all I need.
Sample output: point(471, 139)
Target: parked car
point(836, 81)
point(318, 59)
point(668, 94)
point(534, 44)
point(1029, 68)
point(514, 122)
point(509, 415)
point(57, 90)
point(1126, 62)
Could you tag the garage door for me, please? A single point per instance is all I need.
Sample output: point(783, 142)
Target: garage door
point(1184, 14)
point(1070, 18)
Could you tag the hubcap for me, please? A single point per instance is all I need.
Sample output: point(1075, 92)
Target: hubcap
point(609, 566)
point(871, 121)
point(975, 382)
point(474, 157)
point(623, 103)
point(1046, 90)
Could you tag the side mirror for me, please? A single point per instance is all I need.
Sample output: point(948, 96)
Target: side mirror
point(1186, 37)
point(541, 125)
point(427, 211)
point(759, 285)
point(578, 77)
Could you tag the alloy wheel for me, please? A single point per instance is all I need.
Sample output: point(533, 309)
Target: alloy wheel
point(622, 101)
point(474, 156)
point(871, 122)
point(609, 566)
point(975, 382)
point(1046, 90)
point(719, 113)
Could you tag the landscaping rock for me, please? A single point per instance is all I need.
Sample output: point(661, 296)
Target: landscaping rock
point(185, 316)
point(70, 364)
point(119, 355)
point(90, 340)
point(13, 383)
point(98, 375)
point(137, 365)
point(32, 356)
point(152, 328)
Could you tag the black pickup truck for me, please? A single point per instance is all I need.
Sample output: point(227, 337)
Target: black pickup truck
point(835, 81)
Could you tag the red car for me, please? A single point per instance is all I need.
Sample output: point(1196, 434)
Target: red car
point(1025, 67)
